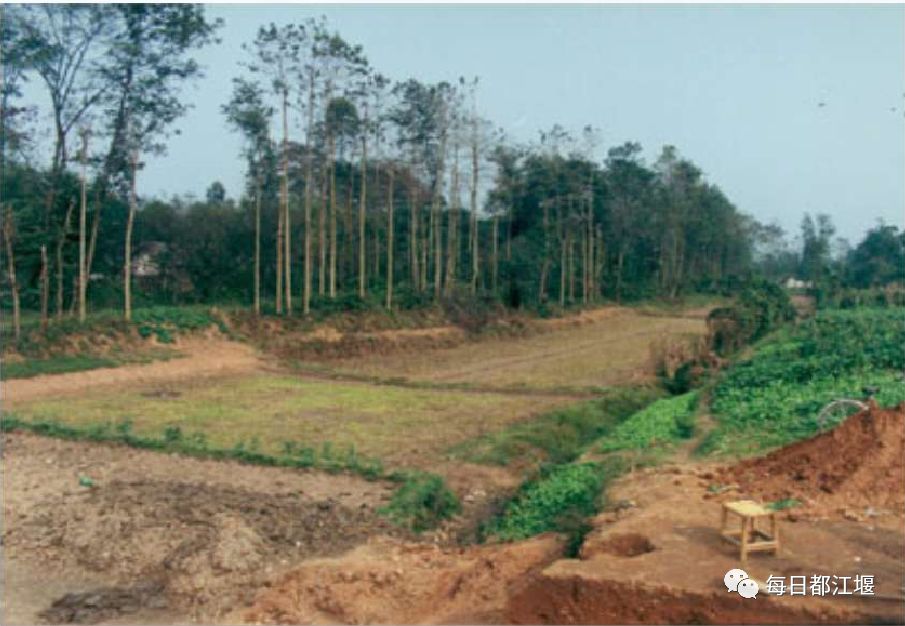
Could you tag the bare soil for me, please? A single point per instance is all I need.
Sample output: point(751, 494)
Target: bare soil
point(164, 532)
point(389, 582)
point(600, 347)
point(855, 470)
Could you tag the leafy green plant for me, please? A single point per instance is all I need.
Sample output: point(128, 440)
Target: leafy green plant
point(421, 502)
point(661, 423)
point(775, 396)
point(559, 499)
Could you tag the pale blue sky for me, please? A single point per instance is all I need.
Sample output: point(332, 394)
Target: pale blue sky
point(735, 88)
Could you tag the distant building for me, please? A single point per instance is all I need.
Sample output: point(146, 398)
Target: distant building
point(146, 262)
point(794, 283)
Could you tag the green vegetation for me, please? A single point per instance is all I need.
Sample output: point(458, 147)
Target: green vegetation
point(774, 397)
point(761, 308)
point(163, 322)
point(662, 423)
point(558, 436)
point(421, 502)
point(395, 424)
point(54, 365)
point(61, 364)
point(560, 499)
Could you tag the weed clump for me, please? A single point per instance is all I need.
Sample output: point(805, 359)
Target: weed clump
point(421, 502)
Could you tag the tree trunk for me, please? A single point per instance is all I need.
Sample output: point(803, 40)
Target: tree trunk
point(8, 236)
point(436, 221)
point(475, 253)
point(390, 239)
point(83, 216)
point(333, 208)
point(127, 261)
point(309, 191)
point(284, 202)
point(599, 261)
point(494, 240)
point(322, 233)
point(59, 257)
point(95, 227)
point(413, 234)
point(562, 265)
point(45, 286)
point(278, 304)
point(362, 207)
point(257, 277)
point(452, 229)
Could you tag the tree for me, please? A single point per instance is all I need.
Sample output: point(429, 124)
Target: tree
point(276, 53)
point(146, 65)
point(879, 259)
point(250, 115)
point(9, 235)
point(629, 184)
point(816, 239)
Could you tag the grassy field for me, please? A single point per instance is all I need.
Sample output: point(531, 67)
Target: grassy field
point(613, 350)
point(397, 425)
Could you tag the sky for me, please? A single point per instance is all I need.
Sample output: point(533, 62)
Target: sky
point(789, 109)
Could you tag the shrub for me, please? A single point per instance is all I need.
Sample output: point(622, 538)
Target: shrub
point(421, 502)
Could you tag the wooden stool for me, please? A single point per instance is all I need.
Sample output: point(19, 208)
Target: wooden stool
point(749, 538)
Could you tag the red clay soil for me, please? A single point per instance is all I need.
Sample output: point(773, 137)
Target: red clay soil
point(856, 469)
point(581, 599)
point(391, 582)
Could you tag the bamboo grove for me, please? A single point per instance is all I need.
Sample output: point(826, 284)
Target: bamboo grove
point(360, 190)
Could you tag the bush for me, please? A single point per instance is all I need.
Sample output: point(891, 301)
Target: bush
point(421, 502)
point(761, 308)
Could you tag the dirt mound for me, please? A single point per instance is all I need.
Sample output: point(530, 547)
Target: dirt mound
point(392, 582)
point(858, 466)
point(205, 548)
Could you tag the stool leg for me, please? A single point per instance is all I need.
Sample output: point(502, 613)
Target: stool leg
point(744, 540)
point(774, 531)
point(725, 519)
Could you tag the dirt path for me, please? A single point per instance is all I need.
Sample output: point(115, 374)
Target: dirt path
point(203, 358)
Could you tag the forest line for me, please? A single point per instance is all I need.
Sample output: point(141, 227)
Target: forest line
point(358, 187)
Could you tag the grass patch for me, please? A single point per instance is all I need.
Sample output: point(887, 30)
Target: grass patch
point(54, 365)
point(661, 424)
point(63, 364)
point(558, 436)
point(400, 426)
